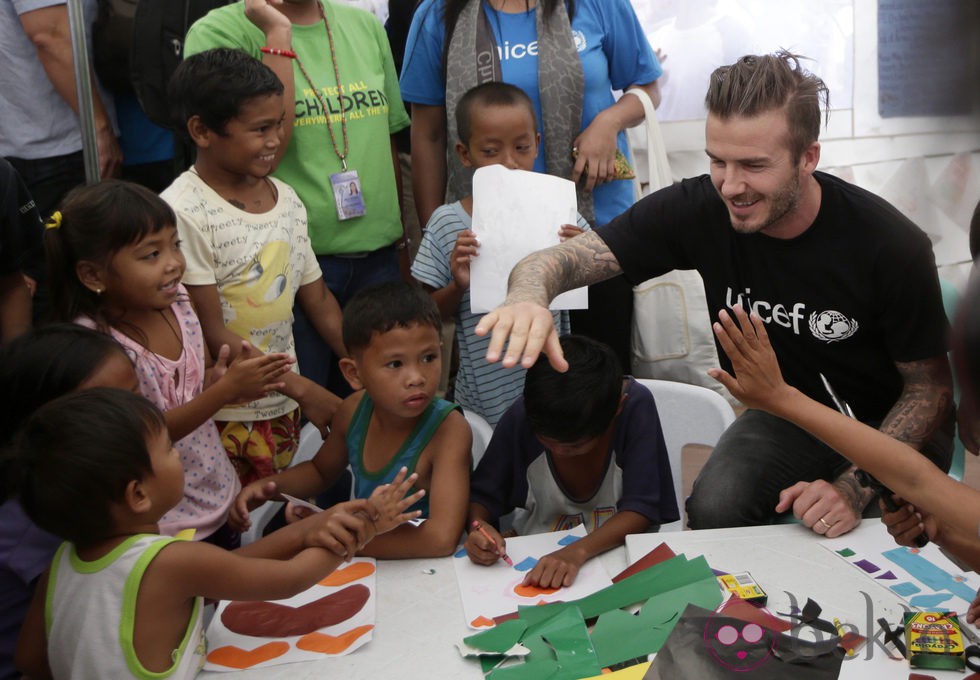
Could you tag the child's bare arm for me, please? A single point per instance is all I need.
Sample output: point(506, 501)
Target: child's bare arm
point(324, 313)
point(560, 568)
point(197, 568)
point(318, 403)
point(31, 655)
point(447, 298)
point(448, 498)
point(304, 480)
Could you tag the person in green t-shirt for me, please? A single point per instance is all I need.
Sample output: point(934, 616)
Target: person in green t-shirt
point(337, 68)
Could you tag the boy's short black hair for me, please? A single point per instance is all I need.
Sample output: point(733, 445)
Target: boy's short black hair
point(579, 403)
point(379, 308)
point(215, 84)
point(77, 454)
point(490, 94)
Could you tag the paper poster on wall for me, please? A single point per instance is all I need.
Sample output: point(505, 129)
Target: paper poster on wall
point(514, 214)
point(496, 590)
point(332, 618)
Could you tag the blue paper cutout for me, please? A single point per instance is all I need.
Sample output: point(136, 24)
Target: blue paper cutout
point(906, 589)
point(929, 601)
point(928, 573)
point(527, 564)
point(460, 553)
point(568, 540)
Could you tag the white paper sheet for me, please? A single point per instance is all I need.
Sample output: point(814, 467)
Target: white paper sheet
point(515, 213)
point(261, 652)
point(487, 592)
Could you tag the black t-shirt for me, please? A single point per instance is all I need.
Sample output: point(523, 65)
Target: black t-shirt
point(852, 295)
point(20, 225)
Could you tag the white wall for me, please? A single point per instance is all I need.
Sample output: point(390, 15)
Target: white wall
point(928, 167)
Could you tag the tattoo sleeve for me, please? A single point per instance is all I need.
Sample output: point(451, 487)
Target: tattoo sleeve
point(580, 261)
point(924, 406)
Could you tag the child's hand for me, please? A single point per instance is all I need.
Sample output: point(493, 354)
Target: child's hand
point(557, 570)
point(567, 231)
point(343, 533)
point(266, 16)
point(220, 367)
point(319, 407)
point(252, 375)
point(974, 611)
point(481, 550)
point(249, 498)
point(390, 501)
point(467, 247)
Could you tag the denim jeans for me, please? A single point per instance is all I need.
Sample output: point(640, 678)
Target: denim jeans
point(344, 276)
point(759, 456)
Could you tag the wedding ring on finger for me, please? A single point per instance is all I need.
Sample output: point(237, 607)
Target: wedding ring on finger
point(824, 523)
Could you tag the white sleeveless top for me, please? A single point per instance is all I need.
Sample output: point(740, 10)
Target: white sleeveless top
point(90, 610)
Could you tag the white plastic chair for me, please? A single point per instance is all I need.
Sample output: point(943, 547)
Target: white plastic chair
point(689, 414)
point(482, 431)
point(309, 443)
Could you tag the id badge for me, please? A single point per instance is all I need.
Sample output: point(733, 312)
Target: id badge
point(347, 194)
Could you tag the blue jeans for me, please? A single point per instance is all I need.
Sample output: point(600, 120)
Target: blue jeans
point(344, 276)
point(759, 456)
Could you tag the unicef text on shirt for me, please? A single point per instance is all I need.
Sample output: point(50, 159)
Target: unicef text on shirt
point(780, 314)
point(517, 51)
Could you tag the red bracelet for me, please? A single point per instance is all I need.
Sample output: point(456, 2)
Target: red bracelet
point(277, 52)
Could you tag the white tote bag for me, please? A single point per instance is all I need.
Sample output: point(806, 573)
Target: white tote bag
point(672, 338)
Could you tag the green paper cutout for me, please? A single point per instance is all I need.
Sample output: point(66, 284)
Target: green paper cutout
point(846, 552)
point(488, 663)
point(619, 636)
point(560, 650)
point(663, 577)
point(500, 638)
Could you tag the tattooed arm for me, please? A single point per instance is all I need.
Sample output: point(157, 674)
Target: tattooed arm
point(925, 404)
point(523, 321)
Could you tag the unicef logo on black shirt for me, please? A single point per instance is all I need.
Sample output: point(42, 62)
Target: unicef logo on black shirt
point(832, 326)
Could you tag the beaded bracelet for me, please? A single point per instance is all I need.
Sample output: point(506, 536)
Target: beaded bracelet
point(277, 52)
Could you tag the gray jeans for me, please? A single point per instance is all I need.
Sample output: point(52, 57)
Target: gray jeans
point(759, 456)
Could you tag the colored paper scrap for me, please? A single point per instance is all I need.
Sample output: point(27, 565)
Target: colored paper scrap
point(929, 601)
point(619, 636)
point(869, 567)
point(846, 552)
point(659, 554)
point(634, 672)
point(737, 608)
point(499, 638)
point(568, 540)
point(637, 588)
point(930, 574)
point(887, 576)
point(906, 589)
point(560, 650)
point(527, 564)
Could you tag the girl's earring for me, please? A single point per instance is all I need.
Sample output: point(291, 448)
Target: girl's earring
point(98, 291)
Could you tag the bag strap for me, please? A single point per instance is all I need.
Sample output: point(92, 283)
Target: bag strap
point(658, 167)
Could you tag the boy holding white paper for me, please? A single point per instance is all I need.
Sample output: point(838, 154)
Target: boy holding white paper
point(497, 126)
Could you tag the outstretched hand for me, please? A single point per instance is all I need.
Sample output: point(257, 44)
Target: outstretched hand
point(758, 382)
point(249, 498)
point(527, 329)
point(390, 501)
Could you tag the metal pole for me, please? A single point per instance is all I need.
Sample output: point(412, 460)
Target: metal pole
point(83, 89)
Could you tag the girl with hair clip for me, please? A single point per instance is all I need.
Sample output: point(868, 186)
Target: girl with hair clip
point(36, 368)
point(115, 265)
point(568, 56)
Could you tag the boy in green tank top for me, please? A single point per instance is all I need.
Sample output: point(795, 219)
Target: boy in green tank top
point(393, 420)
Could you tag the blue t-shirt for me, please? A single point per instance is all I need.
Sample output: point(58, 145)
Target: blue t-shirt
point(614, 50)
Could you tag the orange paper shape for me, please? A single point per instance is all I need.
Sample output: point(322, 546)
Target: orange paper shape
point(236, 657)
point(350, 573)
point(331, 644)
point(533, 591)
point(483, 622)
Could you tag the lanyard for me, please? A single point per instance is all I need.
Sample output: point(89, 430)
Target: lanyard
point(340, 95)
